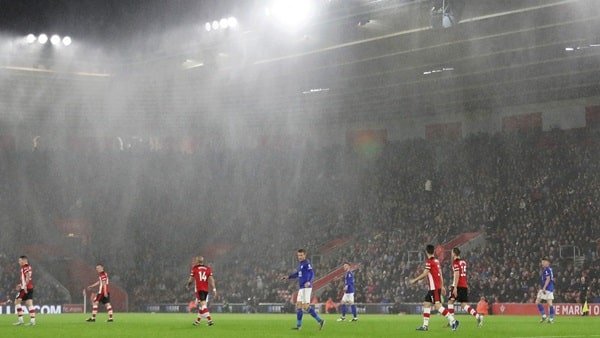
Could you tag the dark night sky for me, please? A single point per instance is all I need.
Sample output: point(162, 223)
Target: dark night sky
point(107, 20)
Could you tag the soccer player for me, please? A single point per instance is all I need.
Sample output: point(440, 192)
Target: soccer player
point(348, 298)
point(203, 278)
point(103, 295)
point(25, 288)
point(433, 273)
point(459, 291)
point(546, 291)
point(305, 275)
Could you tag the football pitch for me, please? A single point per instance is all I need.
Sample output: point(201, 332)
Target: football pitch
point(258, 325)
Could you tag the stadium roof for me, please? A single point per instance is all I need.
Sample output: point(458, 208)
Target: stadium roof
point(357, 59)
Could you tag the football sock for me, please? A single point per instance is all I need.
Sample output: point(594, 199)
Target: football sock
point(32, 314)
point(20, 313)
point(541, 309)
point(94, 311)
point(426, 315)
point(353, 307)
point(551, 311)
point(205, 313)
point(299, 314)
point(313, 313)
point(343, 310)
point(199, 314)
point(451, 308)
point(110, 312)
point(470, 310)
point(446, 314)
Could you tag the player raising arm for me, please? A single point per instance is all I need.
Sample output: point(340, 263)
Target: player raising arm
point(305, 275)
point(202, 278)
point(433, 273)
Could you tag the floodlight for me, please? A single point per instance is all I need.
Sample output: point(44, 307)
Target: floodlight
point(43, 38)
point(232, 22)
point(291, 13)
point(55, 39)
point(223, 23)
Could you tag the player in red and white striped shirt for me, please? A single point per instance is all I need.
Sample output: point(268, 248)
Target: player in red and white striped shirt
point(459, 291)
point(25, 288)
point(103, 295)
point(433, 273)
point(202, 278)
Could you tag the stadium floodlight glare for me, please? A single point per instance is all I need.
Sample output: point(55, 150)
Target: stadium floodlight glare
point(215, 25)
point(207, 27)
point(30, 38)
point(66, 41)
point(232, 22)
point(291, 13)
point(223, 23)
point(55, 39)
point(43, 38)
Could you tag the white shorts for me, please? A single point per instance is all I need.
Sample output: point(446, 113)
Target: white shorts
point(304, 296)
point(547, 296)
point(348, 298)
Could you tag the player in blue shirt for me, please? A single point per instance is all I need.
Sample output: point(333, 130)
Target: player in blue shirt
point(305, 275)
point(348, 298)
point(546, 291)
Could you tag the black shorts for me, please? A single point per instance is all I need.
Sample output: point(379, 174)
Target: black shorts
point(101, 299)
point(25, 295)
point(202, 296)
point(434, 296)
point(462, 295)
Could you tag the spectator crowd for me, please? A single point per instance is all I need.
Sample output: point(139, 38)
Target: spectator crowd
point(530, 195)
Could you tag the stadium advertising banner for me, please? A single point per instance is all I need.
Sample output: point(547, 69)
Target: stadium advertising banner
point(379, 308)
point(72, 308)
point(562, 309)
point(43, 309)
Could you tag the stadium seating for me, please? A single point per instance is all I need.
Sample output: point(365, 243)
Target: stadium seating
point(149, 213)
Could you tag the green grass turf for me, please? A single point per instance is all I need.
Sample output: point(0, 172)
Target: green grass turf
point(258, 325)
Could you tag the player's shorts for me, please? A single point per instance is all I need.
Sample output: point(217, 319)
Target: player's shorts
point(348, 298)
point(25, 295)
point(201, 296)
point(304, 296)
point(462, 295)
point(547, 296)
point(101, 299)
point(433, 296)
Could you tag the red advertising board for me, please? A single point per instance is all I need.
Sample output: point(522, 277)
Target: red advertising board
point(562, 309)
point(522, 123)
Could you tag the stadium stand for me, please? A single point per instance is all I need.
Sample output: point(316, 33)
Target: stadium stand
point(149, 214)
